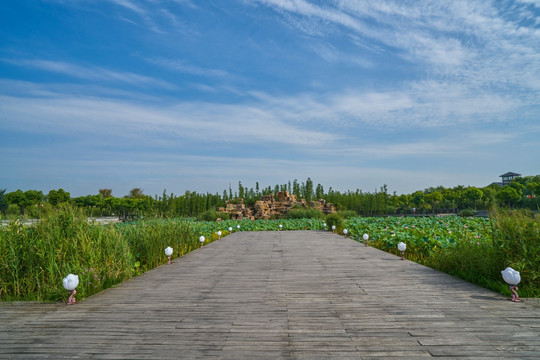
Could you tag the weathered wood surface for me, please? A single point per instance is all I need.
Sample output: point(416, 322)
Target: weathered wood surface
point(279, 295)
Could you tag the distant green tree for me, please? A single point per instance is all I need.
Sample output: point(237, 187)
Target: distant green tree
point(434, 199)
point(518, 186)
point(241, 190)
point(508, 196)
point(418, 198)
point(489, 196)
point(3, 203)
point(319, 192)
point(135, 193)
point(296, 188)
point(473, 195)
point(20, 199)
point(308, 190)
point(105, 193)
point(55, 197)
point(536, 188)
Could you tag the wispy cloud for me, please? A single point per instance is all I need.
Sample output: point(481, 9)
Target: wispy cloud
point(181, 66)
point(190, 121)
point(93, 73)
point(423, 104)
point(305, 120)
point(536, 3)
point(128, 5)
point(471, 43)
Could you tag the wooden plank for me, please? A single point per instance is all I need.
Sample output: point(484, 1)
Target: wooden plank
point(278, 295)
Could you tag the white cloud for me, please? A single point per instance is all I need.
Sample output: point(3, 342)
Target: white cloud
point(472, 43)
point(93, 73)
point(128, 5)
point(304, 123)
point(181, 66)
point(192, 121)
point(536, 3)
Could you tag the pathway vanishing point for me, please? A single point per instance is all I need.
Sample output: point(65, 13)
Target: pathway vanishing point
point(279, 295)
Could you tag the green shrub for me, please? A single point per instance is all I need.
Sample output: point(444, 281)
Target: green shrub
point(467, 213)
point(303, 213)
point(336, 220)
point(212, 215)
point(347, 214)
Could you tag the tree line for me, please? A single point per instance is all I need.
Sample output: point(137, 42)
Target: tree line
point(522, 192)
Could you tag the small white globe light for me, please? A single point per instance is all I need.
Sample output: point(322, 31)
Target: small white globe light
point(219, 234)
point(402, 247)
point(70, 282)
point(168, 252)
point(366, 237)
point(345, 232)
point(230, 229)
point(512, 278)
point(238, 227)
point(201, 239)
point(280, 226)
point(333, 228)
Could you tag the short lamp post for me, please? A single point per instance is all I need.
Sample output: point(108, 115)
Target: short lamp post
point(70, 282)
point(366, 238)
point(219, 234)
point(345, 232)
point(237, 227)
point(201, 239)
point(333, 228)
point(512, 278)
point(168, 252)
point(280, 227)
point(402, 247)
point(230, 229)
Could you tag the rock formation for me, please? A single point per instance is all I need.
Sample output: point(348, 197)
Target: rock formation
point(268, 207)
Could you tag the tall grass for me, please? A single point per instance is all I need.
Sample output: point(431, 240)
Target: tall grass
point(514, 242)
point(474, 249)
point(35, 259)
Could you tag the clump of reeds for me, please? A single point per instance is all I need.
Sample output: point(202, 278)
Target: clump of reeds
point(35, 259)
point(514, 242)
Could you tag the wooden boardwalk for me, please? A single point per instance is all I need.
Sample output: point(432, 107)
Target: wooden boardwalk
point(279, 295)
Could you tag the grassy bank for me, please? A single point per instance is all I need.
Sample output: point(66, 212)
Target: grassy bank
point(474, 249)
point(35, 259)
point(514, 242)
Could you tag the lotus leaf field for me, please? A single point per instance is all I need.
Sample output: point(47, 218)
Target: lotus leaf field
point(34, 259)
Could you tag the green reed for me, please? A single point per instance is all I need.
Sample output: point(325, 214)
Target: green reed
point(513, 241)
point(35, 259)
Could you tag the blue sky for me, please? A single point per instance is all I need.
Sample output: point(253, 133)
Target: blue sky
point(194, 95)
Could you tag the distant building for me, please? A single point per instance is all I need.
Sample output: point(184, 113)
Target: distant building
point(506, 178)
